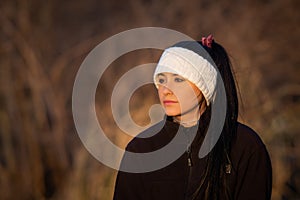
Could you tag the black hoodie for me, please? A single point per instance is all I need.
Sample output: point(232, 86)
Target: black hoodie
point(250, 176)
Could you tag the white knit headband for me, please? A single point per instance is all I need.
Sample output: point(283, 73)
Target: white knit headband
point(191, 66)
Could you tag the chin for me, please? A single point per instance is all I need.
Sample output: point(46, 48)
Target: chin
point(171, 113)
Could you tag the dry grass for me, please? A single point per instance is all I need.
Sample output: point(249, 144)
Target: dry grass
point(44, 42)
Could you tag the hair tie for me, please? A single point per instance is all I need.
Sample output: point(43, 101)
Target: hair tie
point(207, 41)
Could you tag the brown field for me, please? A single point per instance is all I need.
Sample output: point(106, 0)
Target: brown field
point(43, 43)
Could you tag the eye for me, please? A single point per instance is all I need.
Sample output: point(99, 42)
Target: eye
point(177, 79)
point(161, 80)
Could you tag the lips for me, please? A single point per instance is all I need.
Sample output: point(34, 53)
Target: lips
point(169, 102)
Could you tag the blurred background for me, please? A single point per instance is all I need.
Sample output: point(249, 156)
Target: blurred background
point(43, 43)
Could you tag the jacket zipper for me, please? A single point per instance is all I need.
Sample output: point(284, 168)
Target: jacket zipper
point(189, 162)
point(190, 165)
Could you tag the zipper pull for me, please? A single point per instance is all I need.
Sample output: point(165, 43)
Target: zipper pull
point(190, 163)
point(228, 169)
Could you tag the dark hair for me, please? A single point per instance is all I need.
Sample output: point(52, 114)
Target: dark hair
point(219, 158)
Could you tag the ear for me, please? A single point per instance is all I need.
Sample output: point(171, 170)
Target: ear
point(202, 104)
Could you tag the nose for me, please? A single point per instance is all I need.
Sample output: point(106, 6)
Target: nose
point(166, 90)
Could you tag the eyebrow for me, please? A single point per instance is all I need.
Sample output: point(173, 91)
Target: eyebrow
point(161, 74)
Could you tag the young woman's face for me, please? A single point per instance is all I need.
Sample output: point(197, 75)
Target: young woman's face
point(177, 95)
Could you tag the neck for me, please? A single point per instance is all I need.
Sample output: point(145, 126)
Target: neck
point(191, 117)
point(188, 119)
point(186, 123)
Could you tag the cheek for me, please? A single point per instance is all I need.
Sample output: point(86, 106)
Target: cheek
point(160, 94)
point(188, 98)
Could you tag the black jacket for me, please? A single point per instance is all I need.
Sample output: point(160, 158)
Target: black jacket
point(250, 177)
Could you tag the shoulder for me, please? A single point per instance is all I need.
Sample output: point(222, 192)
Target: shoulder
point(251, 164)
point(248, 136)
point(248, 150)
point(247, 140)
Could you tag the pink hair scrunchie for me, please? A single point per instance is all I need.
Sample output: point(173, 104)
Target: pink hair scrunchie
point(207, 41)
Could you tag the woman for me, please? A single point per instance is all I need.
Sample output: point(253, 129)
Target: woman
point(238, 166)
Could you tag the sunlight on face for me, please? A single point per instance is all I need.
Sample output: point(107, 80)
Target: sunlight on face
point(177, 95)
